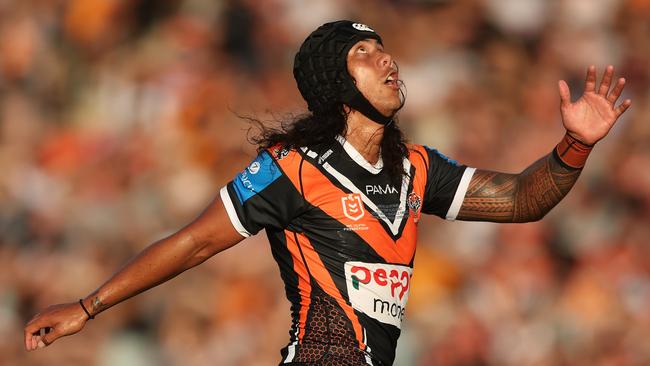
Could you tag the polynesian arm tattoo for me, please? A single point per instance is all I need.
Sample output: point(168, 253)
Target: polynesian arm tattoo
point(523, 197)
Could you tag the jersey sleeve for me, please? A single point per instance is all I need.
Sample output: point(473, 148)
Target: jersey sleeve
point(447, 183)
point(261, 196)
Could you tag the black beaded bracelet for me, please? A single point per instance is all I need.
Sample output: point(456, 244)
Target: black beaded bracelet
point(85, 311)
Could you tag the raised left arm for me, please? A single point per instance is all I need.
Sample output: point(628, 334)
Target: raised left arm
point(529, 195)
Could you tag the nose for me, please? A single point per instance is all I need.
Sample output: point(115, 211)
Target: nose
point(385, 60)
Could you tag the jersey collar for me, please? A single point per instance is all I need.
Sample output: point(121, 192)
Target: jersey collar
point(358, 158)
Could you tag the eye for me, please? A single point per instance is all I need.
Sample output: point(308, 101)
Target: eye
point(362, 49)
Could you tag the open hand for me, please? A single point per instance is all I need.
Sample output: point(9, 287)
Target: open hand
point(54, 322)
point(591, 117)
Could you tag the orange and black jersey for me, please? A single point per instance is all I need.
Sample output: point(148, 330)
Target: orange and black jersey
point(344, 238)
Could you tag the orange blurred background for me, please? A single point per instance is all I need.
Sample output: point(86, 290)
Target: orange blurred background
point(118, 125)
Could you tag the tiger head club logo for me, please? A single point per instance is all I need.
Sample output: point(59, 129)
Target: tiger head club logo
point(352, 206)
point(414, 203)
point(280, 153)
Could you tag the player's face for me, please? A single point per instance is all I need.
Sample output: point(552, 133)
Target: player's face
point(375, 74)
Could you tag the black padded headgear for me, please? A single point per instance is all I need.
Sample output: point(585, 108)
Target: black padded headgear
point(321, 71)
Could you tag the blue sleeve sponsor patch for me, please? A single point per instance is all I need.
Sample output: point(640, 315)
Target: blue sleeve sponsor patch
point(443, 156)
point(258, 175)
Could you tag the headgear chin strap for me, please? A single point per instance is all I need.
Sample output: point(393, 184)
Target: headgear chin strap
point(321, 71)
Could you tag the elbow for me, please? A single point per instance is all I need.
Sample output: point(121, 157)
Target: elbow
point(531, 207)
point(538, 217)
point(530, 216)
point(533, 217)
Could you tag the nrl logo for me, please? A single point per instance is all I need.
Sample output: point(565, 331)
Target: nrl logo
point(352, 206)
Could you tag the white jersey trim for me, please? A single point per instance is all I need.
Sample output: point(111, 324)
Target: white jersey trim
point(365, 341)
point(291, 350)
point(460, 194)
point(358, 158)
point(232, 213)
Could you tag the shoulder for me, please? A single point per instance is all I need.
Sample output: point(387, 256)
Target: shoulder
point(418, 157)
point(433, 155)
point(288, 160)
point(416, 150)
point(279, 152)
point(430, 157)
point(418, 154)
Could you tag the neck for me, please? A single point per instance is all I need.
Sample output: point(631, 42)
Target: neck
point(365, 135)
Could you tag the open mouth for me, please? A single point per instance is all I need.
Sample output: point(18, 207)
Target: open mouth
point(391, 80)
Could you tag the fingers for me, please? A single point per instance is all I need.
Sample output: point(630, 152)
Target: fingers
point(623, 107)
point(38, 342)
point(34, 342)
point(55, 322)
point(565, 93)
point(43, 333)
point(606, 82)
point(31, 331)
point(28, 340)
point(38, 335)
point(590, 82)
point(52, 336)
point(616, 92)
point(35, 331)
point(40, 338)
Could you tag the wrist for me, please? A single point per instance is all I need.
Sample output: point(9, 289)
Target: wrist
point(580, 139)
point(85, 310)
point(572, 152)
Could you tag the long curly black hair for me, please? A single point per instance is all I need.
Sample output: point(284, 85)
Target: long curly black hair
point(319, 131)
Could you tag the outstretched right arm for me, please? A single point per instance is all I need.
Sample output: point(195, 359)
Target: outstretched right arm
point(211, 233)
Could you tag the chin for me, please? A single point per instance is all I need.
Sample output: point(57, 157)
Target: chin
point(393, 108)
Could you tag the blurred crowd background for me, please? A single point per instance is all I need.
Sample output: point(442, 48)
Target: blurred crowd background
point(119, 122)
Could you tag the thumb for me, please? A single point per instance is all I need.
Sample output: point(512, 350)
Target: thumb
point(53, 335)
point(565, 93)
